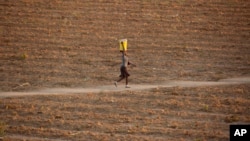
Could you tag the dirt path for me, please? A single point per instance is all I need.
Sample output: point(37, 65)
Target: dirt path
point(109, 88)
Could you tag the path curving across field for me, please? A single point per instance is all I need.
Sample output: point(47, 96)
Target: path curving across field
point(112, 88)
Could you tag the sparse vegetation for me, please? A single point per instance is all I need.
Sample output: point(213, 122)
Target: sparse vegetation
point(168, 40)
point(23, 56)
point(128, 114)
point(231, 119)
point(205, 108)
point(73, 44)
point(2, 128)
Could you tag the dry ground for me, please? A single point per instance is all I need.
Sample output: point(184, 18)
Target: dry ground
point(201, 113)
point(74, 43)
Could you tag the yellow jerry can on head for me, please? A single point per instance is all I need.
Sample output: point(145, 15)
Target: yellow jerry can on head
point(123, 43)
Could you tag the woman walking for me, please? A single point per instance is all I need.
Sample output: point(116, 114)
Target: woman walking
point(123, 69)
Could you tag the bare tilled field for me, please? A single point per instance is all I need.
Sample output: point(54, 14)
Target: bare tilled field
point(202, 113)
point(74, 43)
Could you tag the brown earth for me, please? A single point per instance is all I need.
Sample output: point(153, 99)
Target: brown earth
point(119, 88)
point(197, 114)
point(74, 43)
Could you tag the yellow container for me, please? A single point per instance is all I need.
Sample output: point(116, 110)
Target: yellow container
point(123, 44)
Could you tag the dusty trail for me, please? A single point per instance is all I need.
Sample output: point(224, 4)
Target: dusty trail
point(112, 88)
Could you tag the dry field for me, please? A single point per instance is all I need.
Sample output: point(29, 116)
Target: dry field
point(197, 114)
point(71, 43)
point(74, 43)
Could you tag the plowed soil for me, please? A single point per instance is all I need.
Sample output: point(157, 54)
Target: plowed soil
point(74, 43)
point(196, 113)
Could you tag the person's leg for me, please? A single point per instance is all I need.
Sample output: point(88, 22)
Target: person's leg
point(126, 76)
point(126, 80)
point(120, 79)
point(127, 86)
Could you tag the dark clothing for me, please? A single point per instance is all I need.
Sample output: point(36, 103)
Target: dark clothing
point(124, 72)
